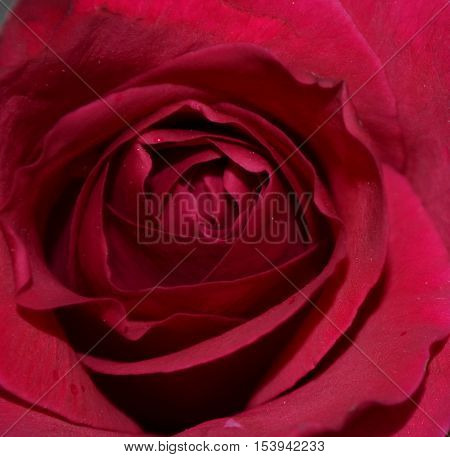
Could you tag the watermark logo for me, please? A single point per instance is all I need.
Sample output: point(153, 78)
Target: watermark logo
point(208, 217)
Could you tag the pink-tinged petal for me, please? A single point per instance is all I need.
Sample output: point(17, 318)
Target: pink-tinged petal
point(401, 322)
point(29, 374)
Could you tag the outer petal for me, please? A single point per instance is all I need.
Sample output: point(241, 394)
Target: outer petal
point(38, 423)
point(419, 77)
point(18, 43)
point(314, 35)
point(435, 400)
point(34, 356)
point(426, 415)
point(400, 324)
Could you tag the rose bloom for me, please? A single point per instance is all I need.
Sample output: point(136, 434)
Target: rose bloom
point(108, 328)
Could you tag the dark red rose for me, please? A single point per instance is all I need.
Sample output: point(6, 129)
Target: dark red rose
point(224, 218)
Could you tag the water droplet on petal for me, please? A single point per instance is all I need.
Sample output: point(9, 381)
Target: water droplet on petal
point(232, 423)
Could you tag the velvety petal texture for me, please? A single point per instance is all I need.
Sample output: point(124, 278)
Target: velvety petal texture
point(224, 218)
